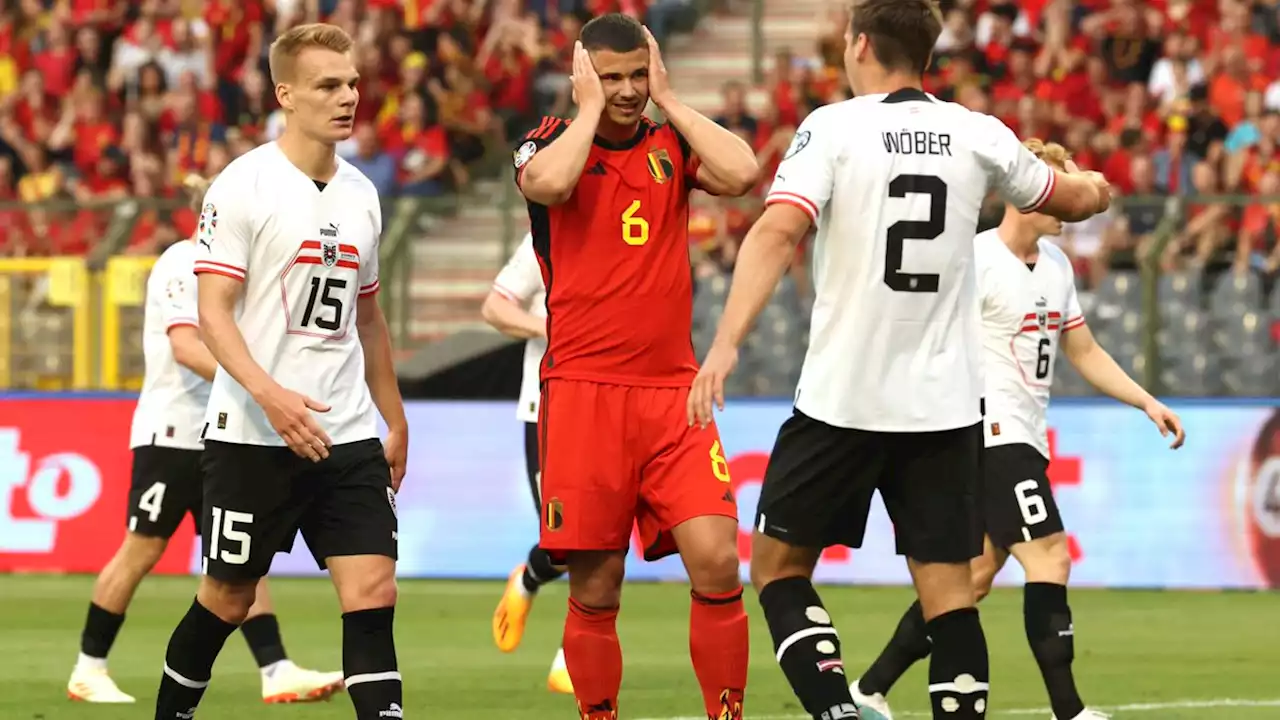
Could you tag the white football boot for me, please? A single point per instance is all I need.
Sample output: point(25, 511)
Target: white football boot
point(284, 682)
point(90, 683)
point(872, 707)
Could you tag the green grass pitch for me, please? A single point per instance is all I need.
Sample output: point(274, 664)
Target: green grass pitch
point(1164, 655)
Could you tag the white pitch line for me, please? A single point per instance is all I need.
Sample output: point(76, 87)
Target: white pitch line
point(1133, 707)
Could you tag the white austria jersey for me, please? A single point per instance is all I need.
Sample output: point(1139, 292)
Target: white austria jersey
point(894, 184)
point(1024, 313)
point(171, 405)
point(304, 256)
point(520, 281)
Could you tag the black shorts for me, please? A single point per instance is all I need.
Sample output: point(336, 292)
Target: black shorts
point(818, 486)
point(531, 464)
point(257, 498)
point(1017, 502)
point(163, 487)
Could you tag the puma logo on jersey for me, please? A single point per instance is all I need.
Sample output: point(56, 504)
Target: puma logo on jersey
point(331, 231)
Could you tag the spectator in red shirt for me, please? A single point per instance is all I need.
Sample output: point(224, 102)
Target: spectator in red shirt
point(94, 132)
point(57, 61)
point(424, 156)
point(464, 112)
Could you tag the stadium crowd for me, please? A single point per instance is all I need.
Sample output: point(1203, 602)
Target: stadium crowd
point(1165, 97)
point(104, 99)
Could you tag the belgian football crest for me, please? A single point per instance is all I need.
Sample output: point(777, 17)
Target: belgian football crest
point(553, 514)
point(660, 166)
point(329, 253)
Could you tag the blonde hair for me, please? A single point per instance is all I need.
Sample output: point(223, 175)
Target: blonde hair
point(293, 41)
point(195, 186)
point(1052, 153)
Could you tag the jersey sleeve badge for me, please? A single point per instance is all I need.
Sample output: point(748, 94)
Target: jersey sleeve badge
point(173, 289)
point(524, 154)
point(798, 143)
point(208, 223)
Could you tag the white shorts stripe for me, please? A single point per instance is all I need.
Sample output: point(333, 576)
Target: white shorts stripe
point(185, 682)
point(798, 636)
point(972, 687)
point(373, 677)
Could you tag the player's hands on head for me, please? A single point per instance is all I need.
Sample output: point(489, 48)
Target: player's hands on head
point(396, 450)
point(659, 82)
point(588, 91)
point(290, 415)
point(1167, 421)
point(708, 386)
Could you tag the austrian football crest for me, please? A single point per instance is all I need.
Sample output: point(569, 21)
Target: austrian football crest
point(329, 253)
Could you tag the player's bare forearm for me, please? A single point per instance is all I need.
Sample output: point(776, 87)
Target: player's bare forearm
point(510, 319)
point(763, 258)
point(551, 175)
point(1075, 198)
point(190, 352)
point(729, 165)
point(379, 365)
point(217, 301)
point(1101, 370)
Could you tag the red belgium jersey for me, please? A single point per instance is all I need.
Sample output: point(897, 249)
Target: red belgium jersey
point(615, 260)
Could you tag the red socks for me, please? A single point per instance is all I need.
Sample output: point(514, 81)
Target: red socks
point(719, 644)
point(594, 659)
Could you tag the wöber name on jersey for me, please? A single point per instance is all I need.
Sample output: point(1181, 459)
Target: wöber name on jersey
point(916, 142)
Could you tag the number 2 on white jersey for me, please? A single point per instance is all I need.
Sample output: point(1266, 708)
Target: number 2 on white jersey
point(903, 230)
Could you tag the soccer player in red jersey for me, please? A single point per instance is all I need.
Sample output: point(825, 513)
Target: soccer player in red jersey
point(608, 203)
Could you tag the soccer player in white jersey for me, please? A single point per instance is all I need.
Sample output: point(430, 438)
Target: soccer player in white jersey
point(1029, 310)
point(517, 306)
point(891, 388)
point(165, 486)
point(287, 276)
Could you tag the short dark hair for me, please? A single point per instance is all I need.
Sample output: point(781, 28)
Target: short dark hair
point(613, 31)
point(902, 33)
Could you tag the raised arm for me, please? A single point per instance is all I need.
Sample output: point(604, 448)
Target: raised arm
point(799, 193)
point(1030, 185)
point(722, 162)
point(550, 159)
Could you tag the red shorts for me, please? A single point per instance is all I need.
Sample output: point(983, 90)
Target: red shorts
point(616, 457)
